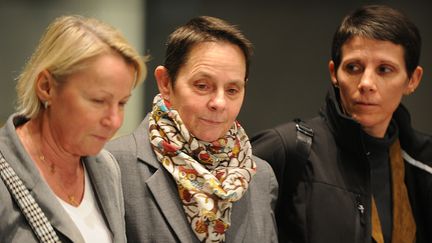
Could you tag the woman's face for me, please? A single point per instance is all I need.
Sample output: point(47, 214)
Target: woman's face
point(372, 79)
point(209, 89)
point(87, 109)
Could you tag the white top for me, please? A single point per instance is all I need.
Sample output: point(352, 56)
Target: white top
point(88, 217)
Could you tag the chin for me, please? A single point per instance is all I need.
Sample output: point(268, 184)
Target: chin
point(94, 151)
point(208, 137)
point(367, 122)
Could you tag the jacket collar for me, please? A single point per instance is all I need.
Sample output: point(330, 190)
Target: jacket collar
point(348, 133)
point(141, 135)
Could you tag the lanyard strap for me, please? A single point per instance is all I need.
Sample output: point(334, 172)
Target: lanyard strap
point(29, 207)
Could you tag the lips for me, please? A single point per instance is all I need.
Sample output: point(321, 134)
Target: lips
point(365, 103)
point(366, 106)
point(103, 138)
point(212, 122)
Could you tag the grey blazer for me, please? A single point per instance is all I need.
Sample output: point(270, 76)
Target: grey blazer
point(153, 209)
point(105, 178)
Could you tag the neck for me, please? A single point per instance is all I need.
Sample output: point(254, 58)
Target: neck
point(377, 131)
point(41, 145)
point(63, 171)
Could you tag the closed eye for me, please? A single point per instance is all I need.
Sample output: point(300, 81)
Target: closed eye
point(123, 103)
point(98, 101)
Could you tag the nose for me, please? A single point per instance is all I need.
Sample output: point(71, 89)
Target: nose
point(113, 118)
point(367, 82)
point(218, 101)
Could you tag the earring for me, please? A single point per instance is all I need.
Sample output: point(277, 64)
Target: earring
point(336, 83)
point(409, 92)
point(46, 104)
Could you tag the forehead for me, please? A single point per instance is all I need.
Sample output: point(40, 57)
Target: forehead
point(216, 53)
point(215, 58)
point(365, 48)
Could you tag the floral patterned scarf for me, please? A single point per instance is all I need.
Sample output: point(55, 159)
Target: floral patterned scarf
point(209, 176)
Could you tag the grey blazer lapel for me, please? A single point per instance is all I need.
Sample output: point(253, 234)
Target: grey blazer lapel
point(106, 191)
point(240, 211)
point(166, 195)
point(163, 188)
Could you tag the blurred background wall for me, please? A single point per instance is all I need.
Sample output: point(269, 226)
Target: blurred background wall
point(289, 75)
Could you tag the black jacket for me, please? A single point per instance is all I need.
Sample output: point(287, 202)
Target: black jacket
point(326, 197)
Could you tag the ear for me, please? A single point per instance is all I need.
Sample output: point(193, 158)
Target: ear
point(44, 86)
point(332, 71)
point(163, 81)
point(414, 80)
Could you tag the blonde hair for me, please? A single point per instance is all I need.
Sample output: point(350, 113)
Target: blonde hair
point(67, 43)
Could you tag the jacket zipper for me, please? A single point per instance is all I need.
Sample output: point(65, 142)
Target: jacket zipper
point(360, 212)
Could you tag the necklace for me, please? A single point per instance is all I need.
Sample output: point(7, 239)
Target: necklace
point(71, 199)
point(51, 166)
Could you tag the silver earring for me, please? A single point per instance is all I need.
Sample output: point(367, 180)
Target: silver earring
point(45, 104)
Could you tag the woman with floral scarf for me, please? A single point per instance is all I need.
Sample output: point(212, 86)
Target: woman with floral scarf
point(188, 171)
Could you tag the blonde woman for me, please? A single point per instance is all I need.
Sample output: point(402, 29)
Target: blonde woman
point(71, 98)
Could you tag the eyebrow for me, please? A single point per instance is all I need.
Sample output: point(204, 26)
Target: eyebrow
point(380, 60)
point(203, 74)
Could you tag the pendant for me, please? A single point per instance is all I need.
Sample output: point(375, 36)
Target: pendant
point(52, 168)
point(72, 200)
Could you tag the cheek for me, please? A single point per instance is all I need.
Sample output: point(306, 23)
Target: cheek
point(345, 99)
point(189, 115)
point(393, 102)
point(234, 110)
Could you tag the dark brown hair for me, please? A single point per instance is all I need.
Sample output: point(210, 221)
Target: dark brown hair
point(379, 22)
point(198, 30)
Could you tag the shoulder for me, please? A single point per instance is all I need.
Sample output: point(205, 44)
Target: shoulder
point(109, 161)
point(263, 168)
point(125, 143)
point(415, 143)
point(125, 149)
point(281, 140)
point(273, 138)
point(265, 176)
point(273, 144)
point(128, 148)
